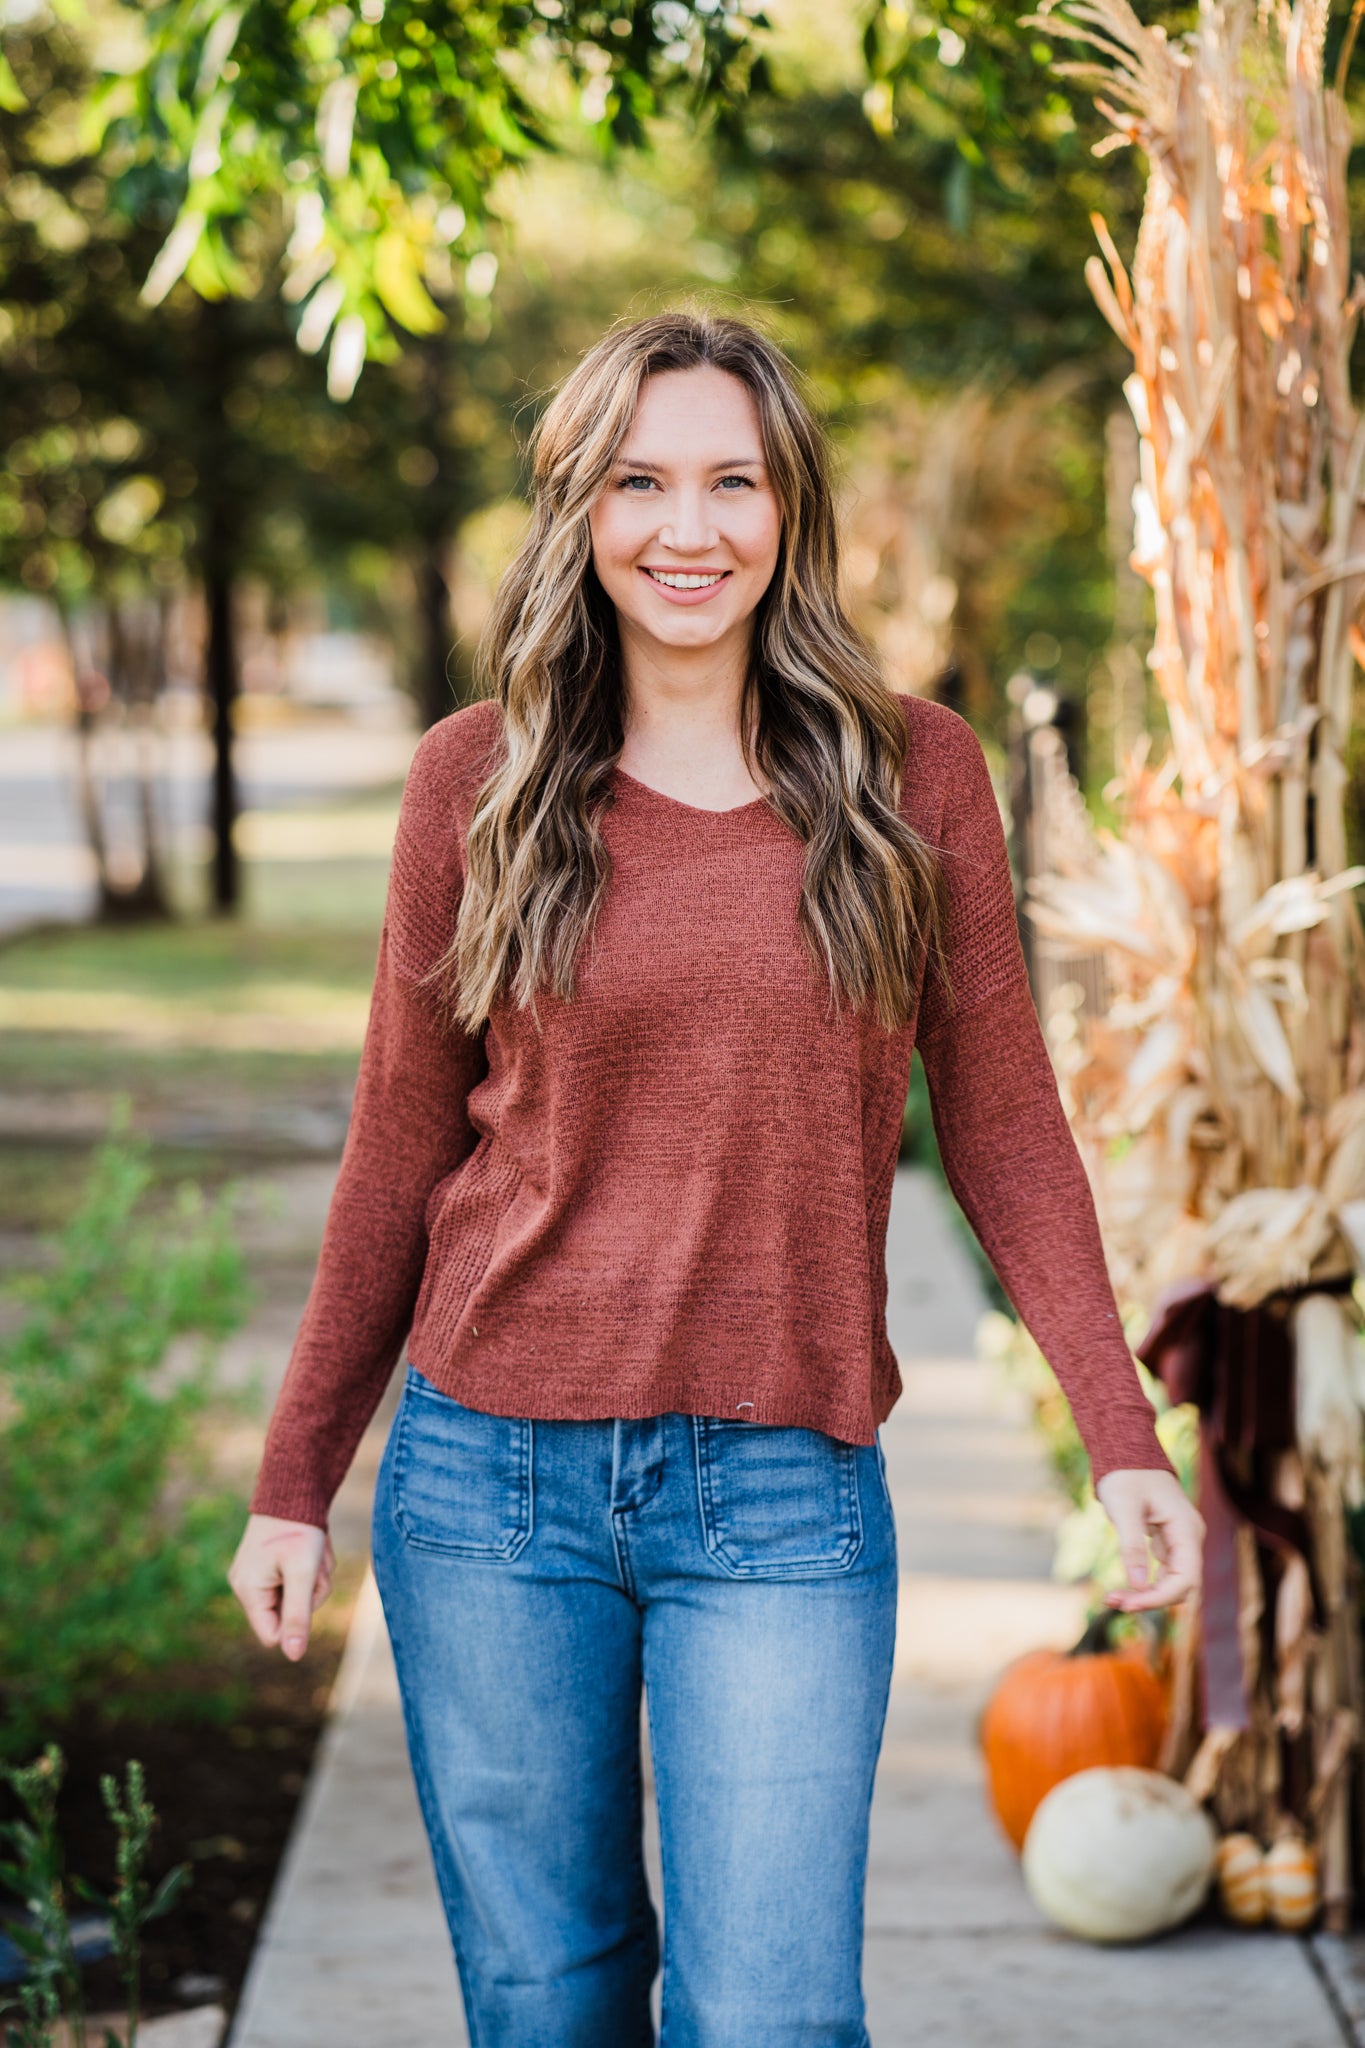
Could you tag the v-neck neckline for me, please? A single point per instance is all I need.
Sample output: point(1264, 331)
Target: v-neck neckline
point(695, 810)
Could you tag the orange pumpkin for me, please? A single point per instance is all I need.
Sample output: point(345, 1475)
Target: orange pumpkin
point(1240, 1866)
point(1291, 1883)
point(1055, 1712)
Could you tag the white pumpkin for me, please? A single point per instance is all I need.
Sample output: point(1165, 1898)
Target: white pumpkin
point(1118, 1854)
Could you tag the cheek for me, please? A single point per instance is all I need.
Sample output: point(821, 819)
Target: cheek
point(616, 531)
point(756, 532)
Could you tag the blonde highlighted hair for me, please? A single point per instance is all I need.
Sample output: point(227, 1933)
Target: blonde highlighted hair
point(822, 732)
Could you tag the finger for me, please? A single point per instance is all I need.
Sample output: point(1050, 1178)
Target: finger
point(1170, 1587)
point(1133, 1551)
point(300, 1576)
point(1179, 1575)
point(260, 1602)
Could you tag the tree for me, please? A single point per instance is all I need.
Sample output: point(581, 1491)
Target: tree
point(379, 132)
point(348, 156)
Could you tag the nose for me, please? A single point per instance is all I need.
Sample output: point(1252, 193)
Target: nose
point(688, 528)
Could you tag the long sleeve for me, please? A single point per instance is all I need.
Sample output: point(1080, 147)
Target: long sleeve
point(1007, 1148)
point(409, 1128)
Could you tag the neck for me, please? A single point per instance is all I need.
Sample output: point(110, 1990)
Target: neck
point(682, 717)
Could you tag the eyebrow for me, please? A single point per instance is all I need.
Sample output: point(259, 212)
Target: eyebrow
point(656, 468)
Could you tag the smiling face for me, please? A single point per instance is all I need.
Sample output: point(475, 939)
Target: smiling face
point(686, 533)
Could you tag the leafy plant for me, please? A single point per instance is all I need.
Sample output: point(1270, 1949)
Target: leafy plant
point(35, 1872)
point(133, 1901)
point(113, 1539)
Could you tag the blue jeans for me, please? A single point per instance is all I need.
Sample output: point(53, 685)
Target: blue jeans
point(534, 1577)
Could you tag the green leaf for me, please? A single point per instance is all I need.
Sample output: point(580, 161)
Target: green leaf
point(167, 1892)
point(213, 271)
point(399, 285)
point(12, 98)
point(106, 103)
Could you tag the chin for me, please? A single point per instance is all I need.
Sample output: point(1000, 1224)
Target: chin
point(684, 641)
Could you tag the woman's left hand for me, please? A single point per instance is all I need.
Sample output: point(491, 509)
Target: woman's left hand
point(1153, 1503)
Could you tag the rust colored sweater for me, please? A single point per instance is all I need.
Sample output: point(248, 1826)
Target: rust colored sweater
point(675, 1196)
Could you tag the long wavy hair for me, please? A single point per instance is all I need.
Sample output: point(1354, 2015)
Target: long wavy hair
point(821, 730)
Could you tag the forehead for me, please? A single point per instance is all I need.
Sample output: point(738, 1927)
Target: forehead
point(684, 414)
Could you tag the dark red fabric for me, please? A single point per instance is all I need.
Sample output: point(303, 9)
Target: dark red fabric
point(1237, 1366)
point(673, 1195)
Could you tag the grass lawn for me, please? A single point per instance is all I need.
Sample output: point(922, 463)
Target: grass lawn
point(212, 1028)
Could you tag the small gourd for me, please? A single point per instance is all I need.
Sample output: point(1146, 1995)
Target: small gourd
point(1055, 1712)
point(1119, 1854)
point(1291, 1883)
point(1242, 1891)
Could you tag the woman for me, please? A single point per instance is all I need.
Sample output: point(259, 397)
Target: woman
point(666, 917)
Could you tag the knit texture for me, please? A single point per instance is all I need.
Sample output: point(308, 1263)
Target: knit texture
point(673, 1195)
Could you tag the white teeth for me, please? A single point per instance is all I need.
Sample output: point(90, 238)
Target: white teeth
point(674, 582)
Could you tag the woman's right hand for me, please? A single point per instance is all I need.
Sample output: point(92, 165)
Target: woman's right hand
point(282, 1573)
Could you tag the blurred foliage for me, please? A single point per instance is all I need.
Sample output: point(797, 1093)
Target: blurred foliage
point(379, 132)
point(113, 1538)
point(998, 151)
point(131, 435)
point(147, 449)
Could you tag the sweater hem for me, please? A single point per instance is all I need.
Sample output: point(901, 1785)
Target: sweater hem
point(635, 1399)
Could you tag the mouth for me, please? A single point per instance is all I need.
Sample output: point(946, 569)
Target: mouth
point(686, 586)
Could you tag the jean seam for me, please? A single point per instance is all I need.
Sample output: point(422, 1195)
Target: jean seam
point(662, 1945)
point(621, 1545)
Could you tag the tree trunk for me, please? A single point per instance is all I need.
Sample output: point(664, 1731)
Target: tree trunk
point(221, 689)
point(133, 682)
point(438, 691)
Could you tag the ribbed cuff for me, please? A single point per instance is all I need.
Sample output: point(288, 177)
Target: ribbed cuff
point(1135, 1447)
point(291, 1496)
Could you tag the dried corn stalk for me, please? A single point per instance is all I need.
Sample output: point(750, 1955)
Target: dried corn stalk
point(1220, 1098)
point(935, 491)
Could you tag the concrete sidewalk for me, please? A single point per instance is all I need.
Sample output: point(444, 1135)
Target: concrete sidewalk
point(354, 1949)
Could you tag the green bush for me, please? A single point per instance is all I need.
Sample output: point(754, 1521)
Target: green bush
point(113, 1544)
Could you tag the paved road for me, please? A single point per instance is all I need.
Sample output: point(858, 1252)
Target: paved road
point(354, 1948)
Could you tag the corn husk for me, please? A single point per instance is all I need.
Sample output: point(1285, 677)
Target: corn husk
point(1217, 1088)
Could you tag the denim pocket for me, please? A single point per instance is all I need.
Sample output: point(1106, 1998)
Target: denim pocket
point(777, 1502)
point(461, 1479)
